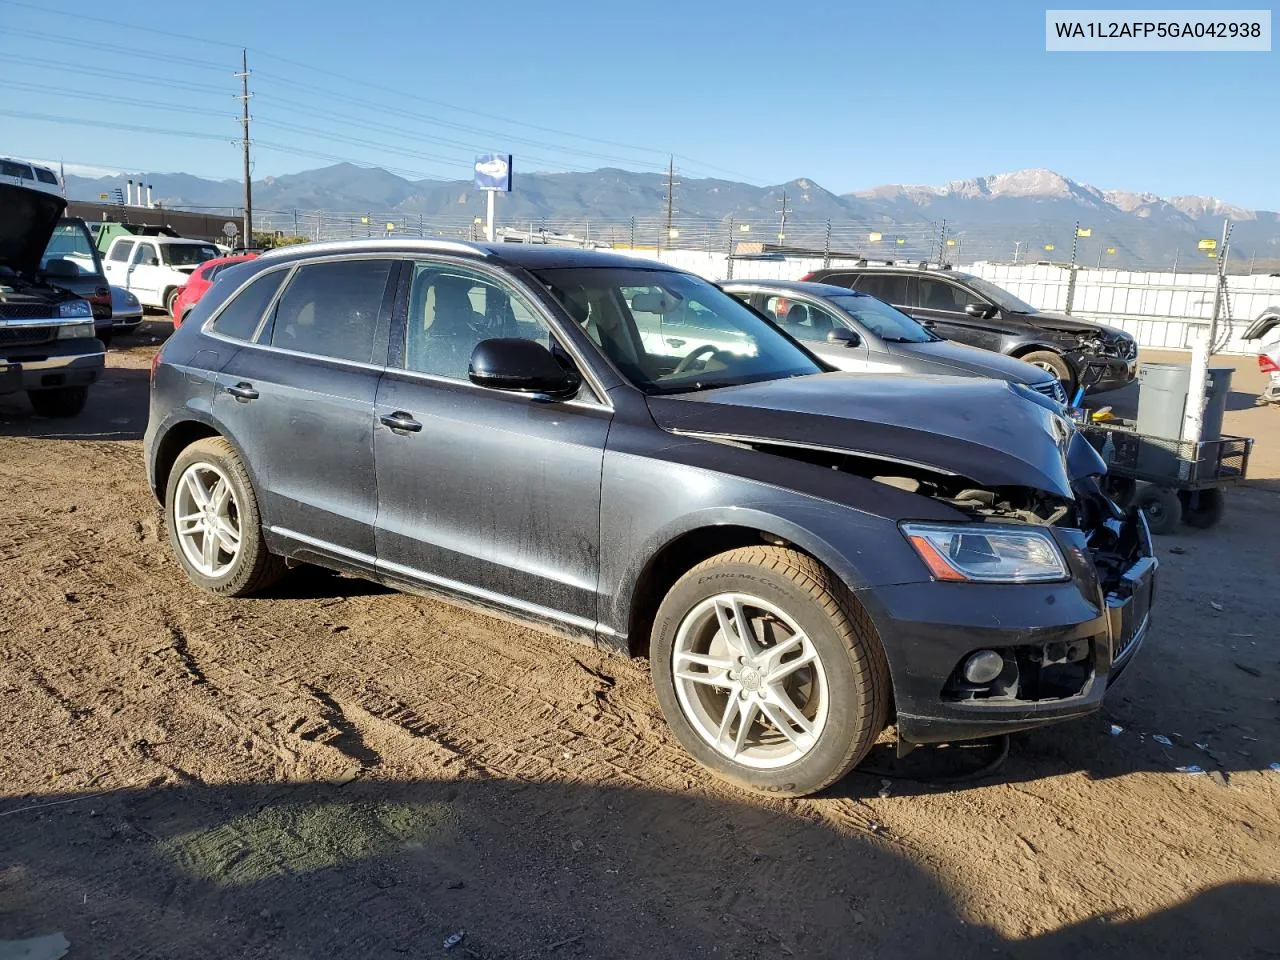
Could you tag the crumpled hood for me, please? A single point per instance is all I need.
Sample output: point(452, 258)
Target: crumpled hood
point(990, 431)
point(27, 221)
point(1066, 324)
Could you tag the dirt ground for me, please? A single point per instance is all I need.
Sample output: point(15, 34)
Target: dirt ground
point(340, 771)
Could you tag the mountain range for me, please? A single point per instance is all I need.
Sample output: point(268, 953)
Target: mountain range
point(987, 217)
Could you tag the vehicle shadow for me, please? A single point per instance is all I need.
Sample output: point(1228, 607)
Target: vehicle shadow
point(117, 410)
point(392, 868)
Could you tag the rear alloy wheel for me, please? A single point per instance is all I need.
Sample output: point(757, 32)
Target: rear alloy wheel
point(59, 403)
point(768, 671)
point(1161, 507)
point(1053, 363)
point(214, 525)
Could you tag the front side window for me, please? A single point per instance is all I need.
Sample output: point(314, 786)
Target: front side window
point(188, 254)
point(45, 176)
point(331, 309)
point(120, 252)
point(671, 332)
point(803, 320)
point(146, 253)
point(940, 295)
point(451, 309)
point(240, 318)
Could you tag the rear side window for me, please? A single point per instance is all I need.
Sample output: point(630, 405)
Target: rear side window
point(888, 287)
point(120, 252)
point(239, 319)
point(332, 309)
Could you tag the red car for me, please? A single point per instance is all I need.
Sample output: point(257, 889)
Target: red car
point(200, 281)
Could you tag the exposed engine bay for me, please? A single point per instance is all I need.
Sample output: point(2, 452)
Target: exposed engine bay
point(1113, 536)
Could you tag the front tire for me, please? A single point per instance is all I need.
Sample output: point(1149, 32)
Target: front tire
point(215, 527)
point(793, 704)
point(59, 403)
point(1056, 365)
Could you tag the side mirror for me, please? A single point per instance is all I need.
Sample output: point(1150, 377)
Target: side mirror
point(152, 261)
point(842, 335)
point(980, 310)
point(521, 366)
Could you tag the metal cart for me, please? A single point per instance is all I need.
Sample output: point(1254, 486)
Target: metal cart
point(1171, 480)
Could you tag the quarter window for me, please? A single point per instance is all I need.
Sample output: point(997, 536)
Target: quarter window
point(239, 319)
point(331, 309)
point(120, 252)
point(452, 309)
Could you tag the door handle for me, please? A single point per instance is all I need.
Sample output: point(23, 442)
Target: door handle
point(674, 342)
point(243, 392)
point(401, 421)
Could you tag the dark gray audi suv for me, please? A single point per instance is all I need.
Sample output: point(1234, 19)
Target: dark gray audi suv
point(624, 453)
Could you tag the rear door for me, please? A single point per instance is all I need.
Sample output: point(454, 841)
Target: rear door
point(299, 398)
point(895, 289)
point(484, 493)
point(144, 271)
point(116, 262)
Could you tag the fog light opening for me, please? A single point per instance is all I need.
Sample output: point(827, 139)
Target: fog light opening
point(983, 666)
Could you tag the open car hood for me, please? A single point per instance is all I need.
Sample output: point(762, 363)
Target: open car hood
point(989, 431)
point(1263, 324)
point(27, 221)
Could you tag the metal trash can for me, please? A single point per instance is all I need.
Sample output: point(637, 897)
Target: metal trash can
point(1162, 400)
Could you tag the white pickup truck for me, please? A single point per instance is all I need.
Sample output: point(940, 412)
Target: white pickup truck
point(154, 269)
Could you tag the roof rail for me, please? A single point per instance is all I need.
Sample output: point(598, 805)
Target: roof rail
point(382, 243)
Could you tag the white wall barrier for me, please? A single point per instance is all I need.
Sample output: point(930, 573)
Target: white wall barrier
point(1161, 310)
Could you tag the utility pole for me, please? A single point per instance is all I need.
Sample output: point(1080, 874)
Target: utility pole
point(1017, 248)
point(728, 259)
point(671, 193)
point(782, 224)
point(942, 242)
point(243, 75)
point(1071, 276)
point(826, 247)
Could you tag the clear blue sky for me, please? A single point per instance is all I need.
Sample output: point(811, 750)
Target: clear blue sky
point(847, 94)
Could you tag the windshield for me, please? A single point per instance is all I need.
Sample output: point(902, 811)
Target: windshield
point(71, 242)
point(883, 320)
point(672, 332)
point(188, 254)
point(1001, 298)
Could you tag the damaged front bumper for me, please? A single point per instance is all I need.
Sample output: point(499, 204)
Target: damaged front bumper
point(1063, 644)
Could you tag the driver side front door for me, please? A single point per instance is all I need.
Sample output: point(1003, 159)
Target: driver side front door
point(488, 495)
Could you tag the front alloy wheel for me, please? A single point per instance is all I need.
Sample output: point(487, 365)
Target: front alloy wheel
point(749, 681)
point(769, 671)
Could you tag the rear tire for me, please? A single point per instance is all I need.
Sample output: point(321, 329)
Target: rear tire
point(830, 669)
point(1202, 508)
point(1055, 364)
point(1161, 507)
point(59, 403)
point(252, 568)
point(105, 338)
point(169, 299)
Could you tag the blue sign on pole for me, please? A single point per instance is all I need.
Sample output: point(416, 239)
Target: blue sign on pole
point(493, 172)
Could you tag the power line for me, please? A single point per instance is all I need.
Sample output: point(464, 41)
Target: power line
point(101, 98)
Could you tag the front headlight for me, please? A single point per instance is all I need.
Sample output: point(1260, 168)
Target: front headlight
point(987, 553)
point(75, 331)
point(74, 308)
